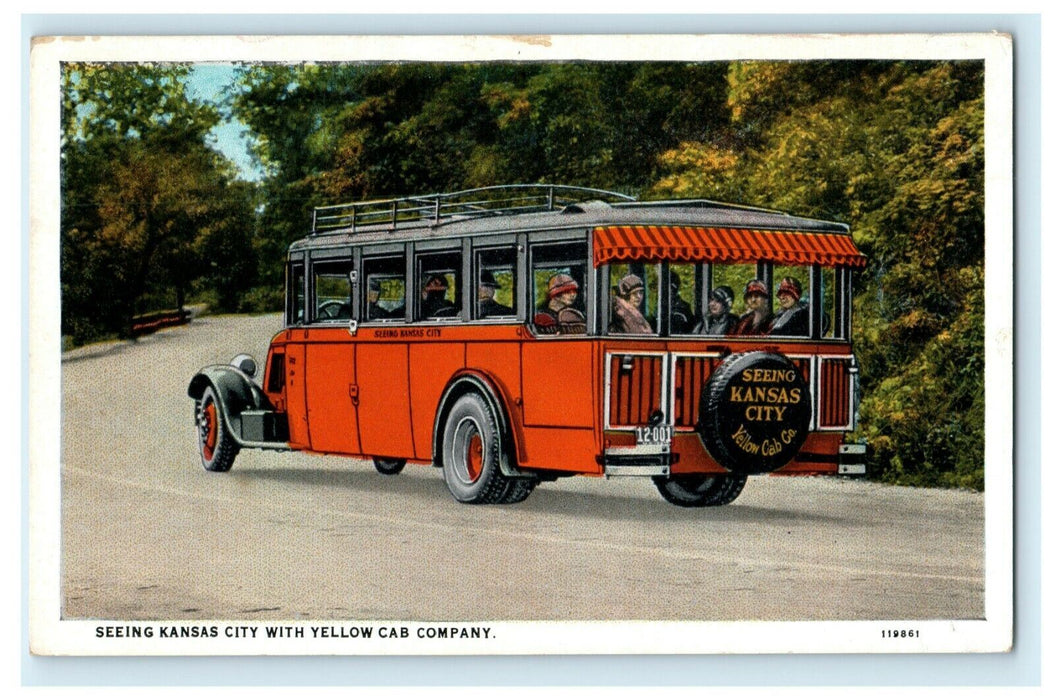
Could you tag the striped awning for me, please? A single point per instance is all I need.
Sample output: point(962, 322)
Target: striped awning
point(722, 245)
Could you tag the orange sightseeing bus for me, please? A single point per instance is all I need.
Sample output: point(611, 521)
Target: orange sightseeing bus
point(515, 335)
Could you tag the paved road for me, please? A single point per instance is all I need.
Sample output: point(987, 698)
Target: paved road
point(148, 534)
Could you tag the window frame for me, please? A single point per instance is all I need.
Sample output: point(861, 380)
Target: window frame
point(316, 263)
point(478, 251)
point(588, 299)
point(295, 266)
point(369, 256)
point(419, 255)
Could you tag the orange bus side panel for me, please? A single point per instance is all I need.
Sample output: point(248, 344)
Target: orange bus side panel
point(296, 408)
point(431, 367)
point(557, 378)
point(331, 413)
point(816, 443)
point(501, 361)
point(384, 400)
point(561, 449)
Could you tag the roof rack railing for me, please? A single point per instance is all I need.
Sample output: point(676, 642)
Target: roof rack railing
point(482, 201)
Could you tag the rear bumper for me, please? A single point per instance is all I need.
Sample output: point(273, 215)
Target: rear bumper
point(852, 459)
point(822, 454)
point(647, 460)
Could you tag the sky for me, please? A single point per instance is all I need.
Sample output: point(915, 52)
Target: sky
point(208, 82)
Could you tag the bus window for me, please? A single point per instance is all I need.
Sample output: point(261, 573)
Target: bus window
point(685, 313)
point(495, 283)
point(791, 297)
point(735, 277)
point(386, 293)
point(558, 276)
point(635, 298)
point(333, 291)
point(295, 302)
point(440, 289)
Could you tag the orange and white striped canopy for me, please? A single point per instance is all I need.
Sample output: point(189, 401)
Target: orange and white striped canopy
point(722, 245)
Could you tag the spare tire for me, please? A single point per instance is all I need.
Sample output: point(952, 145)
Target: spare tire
point(755, 412)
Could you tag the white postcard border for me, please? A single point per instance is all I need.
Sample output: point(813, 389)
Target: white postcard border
point(51, 635)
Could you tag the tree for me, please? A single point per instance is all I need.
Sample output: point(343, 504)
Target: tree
point(141, 191)
point(897, 150)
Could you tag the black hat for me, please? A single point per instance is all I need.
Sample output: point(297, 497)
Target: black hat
point(723, 295)
point(374, 285)
point(675, 280)
point(487, 279)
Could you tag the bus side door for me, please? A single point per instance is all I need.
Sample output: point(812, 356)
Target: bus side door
point(332, 392)
point(384, 400)
point(559, 404)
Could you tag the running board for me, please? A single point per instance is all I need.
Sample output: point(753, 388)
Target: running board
point(637, 461)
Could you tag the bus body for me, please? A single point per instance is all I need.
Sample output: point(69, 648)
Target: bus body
point(518, 334)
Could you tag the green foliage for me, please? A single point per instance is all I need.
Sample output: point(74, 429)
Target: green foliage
point(147, 208)
point(897, 150)
point(334, 133)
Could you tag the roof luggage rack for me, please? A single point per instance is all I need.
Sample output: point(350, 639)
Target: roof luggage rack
point(433, 208)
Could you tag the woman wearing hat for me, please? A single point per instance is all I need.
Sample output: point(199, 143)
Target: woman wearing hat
point(719, 319)
point(758, 317)
point(626, 307)
point(558, 315)
point(792, 317)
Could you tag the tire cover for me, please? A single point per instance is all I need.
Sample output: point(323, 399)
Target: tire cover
point(755, 412)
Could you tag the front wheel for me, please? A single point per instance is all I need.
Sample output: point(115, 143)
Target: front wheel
point(699, 490)
point(472, 446)
point(216, 445)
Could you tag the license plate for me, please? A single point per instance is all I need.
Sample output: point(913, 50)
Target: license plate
point(654, 435)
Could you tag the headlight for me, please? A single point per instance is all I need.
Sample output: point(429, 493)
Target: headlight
point(246, 363)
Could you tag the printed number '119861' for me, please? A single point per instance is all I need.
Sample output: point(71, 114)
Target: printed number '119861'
point(900, 634)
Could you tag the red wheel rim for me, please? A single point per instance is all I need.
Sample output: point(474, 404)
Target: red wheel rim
point(474, 459)
point(208, 445)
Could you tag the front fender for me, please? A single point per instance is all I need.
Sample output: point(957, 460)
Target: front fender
point(235, 392)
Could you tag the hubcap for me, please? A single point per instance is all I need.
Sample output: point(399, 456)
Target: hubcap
point(207, 430)
point(475, 457)
point(467, 453)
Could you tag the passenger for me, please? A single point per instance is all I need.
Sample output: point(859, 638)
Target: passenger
point(626, 307)
point(682, 319)
point(558, 315)
point(758, 317)
point(434, 298)
point(374, 310)
point(486, 297)
point(793, 318)
point(719, 319)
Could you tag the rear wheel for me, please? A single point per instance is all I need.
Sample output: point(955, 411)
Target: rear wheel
point(216, 445)
point(388, 467)
point(519, 489)
point(472, 447)
point(698, 490)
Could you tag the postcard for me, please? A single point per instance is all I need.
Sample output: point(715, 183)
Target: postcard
point(490, 345)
